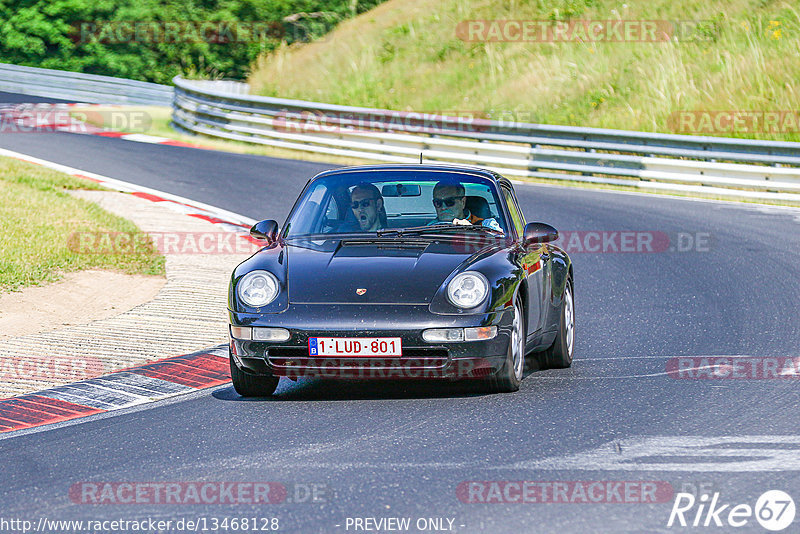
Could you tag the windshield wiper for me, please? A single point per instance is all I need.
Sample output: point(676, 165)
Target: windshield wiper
point(438, 229)
point(326, 236)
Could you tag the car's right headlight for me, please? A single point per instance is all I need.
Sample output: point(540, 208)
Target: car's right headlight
point(258, 288)
point(468, 289)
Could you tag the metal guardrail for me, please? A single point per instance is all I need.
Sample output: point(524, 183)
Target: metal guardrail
point(79, 87)
point(726, 167)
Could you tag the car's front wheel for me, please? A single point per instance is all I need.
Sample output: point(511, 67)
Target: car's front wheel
point(248, 385)
point(559, 355)
point(509, 377)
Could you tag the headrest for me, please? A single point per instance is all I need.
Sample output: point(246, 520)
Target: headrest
point(478, 206)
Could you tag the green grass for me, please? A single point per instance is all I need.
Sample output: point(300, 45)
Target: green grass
point(37, 218)
point(405, 55)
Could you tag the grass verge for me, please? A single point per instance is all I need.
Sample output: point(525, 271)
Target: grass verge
point(732, 55)
point(37, 218)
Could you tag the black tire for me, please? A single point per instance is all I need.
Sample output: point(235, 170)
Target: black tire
point(248, 385)
point(559, 354)
point(508, 379)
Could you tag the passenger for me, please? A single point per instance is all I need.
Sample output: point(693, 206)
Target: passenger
point(367, 205)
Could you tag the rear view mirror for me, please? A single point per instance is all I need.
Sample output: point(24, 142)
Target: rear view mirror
point(265, 230)
point(536, 232)
point(401, 190)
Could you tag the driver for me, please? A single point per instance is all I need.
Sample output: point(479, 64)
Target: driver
point(450, 201)
point(366, 202)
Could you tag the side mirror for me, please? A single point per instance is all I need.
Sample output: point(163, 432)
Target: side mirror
point(265, 230)
point(538, 233)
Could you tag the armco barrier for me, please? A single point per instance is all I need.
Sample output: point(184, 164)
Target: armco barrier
point(79, 87)
point(726, 167)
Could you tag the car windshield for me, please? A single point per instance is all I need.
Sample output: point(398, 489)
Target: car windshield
point(376, 201)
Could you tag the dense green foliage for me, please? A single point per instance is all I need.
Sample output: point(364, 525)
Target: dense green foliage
point(76, 35)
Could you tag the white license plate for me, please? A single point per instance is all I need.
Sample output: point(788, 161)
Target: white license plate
point(359, 347)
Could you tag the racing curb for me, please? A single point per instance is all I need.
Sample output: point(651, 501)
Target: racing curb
point(226, 220)
point(147, 383)
point(69, 124)
point(143, 384)
point(145, 138)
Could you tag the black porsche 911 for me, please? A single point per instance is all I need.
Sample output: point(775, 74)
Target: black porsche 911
point(401, 271)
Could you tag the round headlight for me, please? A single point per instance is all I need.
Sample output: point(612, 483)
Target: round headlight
point(467, 290)
point(258, 288)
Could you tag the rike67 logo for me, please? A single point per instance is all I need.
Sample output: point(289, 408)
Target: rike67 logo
point(774, 510)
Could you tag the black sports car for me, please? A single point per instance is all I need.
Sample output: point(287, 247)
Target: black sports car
point(401, 271)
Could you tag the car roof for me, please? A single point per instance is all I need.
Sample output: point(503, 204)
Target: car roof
point(462, 169)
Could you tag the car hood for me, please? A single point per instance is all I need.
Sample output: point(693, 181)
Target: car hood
point(390, 271)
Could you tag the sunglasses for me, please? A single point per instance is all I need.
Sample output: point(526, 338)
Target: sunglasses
point(363, 203)
point(449, 201)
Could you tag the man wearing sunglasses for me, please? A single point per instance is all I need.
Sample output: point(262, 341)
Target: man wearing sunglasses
point(450, 201)
point(366, 202)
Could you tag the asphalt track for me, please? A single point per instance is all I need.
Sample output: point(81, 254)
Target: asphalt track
point(401, 450)
point(15, 98)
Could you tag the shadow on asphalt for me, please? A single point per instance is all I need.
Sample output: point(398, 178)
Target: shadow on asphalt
point(315, 389)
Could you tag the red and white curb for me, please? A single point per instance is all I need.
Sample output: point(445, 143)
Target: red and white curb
point(58, 118)
point(129, 387)
point(137, 137)
point(121, 389)
point(226, 220)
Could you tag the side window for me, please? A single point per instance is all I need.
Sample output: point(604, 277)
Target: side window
point(332, 213)
point(307, 220)
point(331, 221)
point(516, 216)
point(521, 214)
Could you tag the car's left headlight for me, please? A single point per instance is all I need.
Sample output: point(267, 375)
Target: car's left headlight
point(468, 289)
point(258, 288)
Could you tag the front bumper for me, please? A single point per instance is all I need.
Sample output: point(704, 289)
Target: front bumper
point(420, 359)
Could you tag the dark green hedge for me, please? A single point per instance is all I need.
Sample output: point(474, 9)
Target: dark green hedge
point(89, 35)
